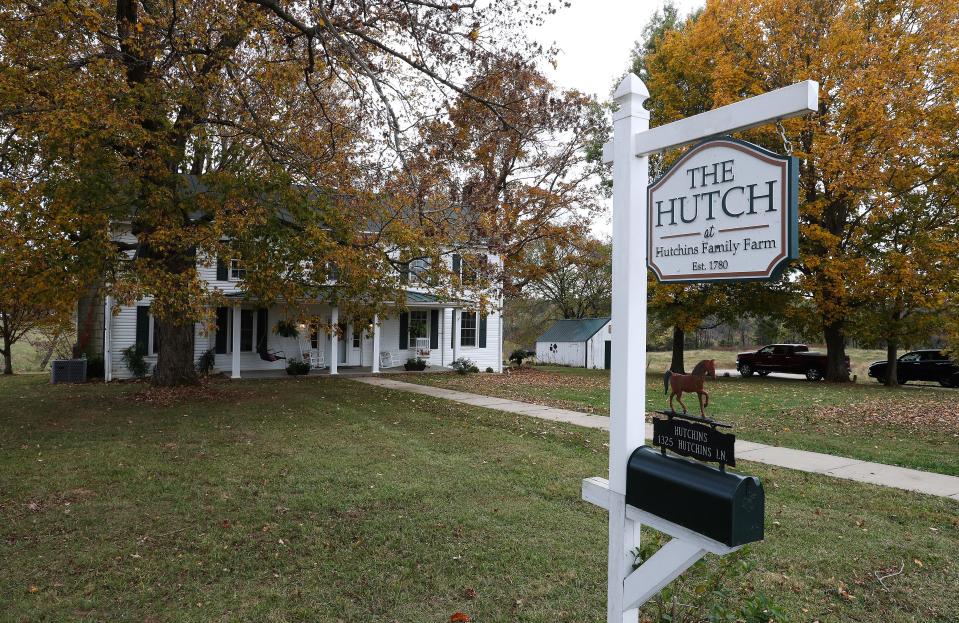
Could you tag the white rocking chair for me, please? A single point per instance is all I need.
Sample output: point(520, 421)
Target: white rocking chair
point(386, 359)
point(423, 347)
point(315, 357)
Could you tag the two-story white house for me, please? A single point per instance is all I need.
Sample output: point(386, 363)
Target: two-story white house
point(245, 339)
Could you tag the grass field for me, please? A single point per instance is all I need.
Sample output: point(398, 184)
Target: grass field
point(911, 426)
point(324, 500)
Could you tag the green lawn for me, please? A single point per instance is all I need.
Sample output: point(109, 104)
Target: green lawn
point(909, 426)
point(326, 500)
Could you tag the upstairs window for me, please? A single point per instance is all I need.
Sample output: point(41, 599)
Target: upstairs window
point(237, 270)
point(419, 269)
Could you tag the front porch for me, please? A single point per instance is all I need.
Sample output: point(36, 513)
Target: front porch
point(354, 371)
point(247, 344)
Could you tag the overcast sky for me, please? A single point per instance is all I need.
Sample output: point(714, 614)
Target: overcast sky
point(595, 38)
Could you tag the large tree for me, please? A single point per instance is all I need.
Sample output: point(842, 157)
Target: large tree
point(576, 278)
point(913, 280)
point(887, 122)
point(278, 133)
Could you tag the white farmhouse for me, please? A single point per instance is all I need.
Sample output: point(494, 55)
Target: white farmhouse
point(245, 339)
point(581, 343)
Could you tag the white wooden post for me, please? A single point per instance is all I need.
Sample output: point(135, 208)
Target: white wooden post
point(632, 143)
point(108, 339)
point(628, 373)
point(334, 338)
point(235, 359)
point(376, 344)
point(455, 328)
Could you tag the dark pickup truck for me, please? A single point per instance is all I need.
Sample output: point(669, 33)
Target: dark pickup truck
point(920, 365)
point(788, 358)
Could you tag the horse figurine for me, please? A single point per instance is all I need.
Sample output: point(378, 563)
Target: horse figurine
point(692, 382)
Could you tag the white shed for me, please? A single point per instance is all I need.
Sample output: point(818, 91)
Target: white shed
point(581, 343)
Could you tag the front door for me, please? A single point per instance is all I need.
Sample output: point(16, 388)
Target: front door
point(355, 357)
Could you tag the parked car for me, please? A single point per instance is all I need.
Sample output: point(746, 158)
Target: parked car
point(788, 358)
point(920, 365)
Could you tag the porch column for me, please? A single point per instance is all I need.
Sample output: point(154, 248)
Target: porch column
point(108, 339)
point(442, 338)
point(455, 327)
point(334, 321)
point(235, 359)
point(376, 344)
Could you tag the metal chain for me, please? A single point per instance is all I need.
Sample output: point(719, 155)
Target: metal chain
point(787, 144)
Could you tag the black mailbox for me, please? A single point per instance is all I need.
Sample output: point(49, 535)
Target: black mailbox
point(723, 506)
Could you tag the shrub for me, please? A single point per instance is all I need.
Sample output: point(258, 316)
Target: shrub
point(464, 366)
point(518, 355)
point(296, 367)
point(206, 363)
point(95, 368)
point(136, 362)
point(415, 363)
point(489, 369)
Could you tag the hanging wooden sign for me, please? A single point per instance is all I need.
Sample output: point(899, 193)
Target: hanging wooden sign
point(686, 436)
point(726, 211)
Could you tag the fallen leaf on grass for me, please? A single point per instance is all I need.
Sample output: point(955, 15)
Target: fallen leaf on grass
point(845, 594)
point(460, 617)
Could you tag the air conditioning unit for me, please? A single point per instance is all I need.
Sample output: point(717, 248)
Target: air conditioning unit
point(68, 371)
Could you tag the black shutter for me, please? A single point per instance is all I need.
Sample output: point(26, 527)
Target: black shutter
point(434, 328)
point(482, 331)
point(261, 321)
point(457, 261)
point(222, 325)
point(452, 328)
point(143, 329)
point(222, 270)
point(404, 331)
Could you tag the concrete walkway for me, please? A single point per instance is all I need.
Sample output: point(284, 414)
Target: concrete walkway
point(801, 460)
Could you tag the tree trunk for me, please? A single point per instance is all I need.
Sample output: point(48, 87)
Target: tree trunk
point(836, 369)
point(7, 348)
point(679, 339)
point(892, 358)
point(175, 364)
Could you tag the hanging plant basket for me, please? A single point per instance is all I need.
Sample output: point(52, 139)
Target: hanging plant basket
point(285, 328)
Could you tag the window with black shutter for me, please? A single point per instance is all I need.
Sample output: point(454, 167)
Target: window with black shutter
point(222, 270)
point(222, 330)
point(404, 330)
point(434, 328)
point(261, 321)
point(246, 330)
point(143, 329)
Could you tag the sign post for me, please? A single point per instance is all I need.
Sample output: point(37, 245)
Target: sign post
point(632, 143)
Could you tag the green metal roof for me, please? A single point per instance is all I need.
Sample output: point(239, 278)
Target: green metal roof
point(573, 330)
point(420, 297)
point(424, 298)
